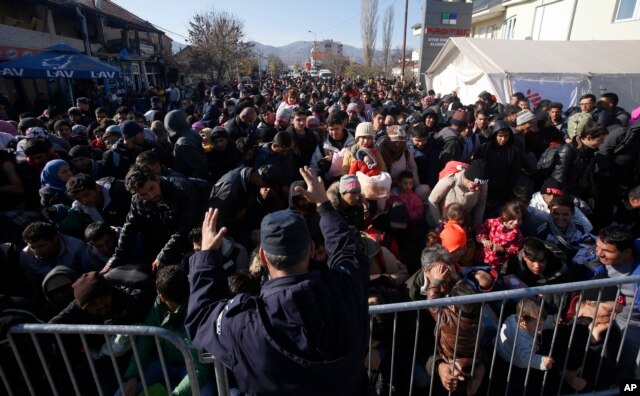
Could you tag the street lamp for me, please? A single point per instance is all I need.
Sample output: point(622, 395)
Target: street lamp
point(315, 39)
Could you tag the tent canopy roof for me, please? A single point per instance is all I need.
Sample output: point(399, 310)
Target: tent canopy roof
point(59, 60)
point(543, 57)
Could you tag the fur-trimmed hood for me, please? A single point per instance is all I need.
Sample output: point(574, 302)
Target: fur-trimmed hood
point(333, 193)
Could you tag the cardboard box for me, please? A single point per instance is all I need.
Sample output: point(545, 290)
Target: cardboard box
point(37, 24)
point(10, 21)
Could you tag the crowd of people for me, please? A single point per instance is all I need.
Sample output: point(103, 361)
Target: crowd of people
point(260, 225)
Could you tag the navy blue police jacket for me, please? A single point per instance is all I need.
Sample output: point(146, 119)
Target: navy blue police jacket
point(305, 334)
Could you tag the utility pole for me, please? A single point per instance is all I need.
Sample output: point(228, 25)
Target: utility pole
point(404, 34)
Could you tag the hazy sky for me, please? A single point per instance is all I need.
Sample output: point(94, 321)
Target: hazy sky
point(280, 22)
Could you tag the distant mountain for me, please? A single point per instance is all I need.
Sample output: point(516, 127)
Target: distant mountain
point(177, 47)
point(300, 51)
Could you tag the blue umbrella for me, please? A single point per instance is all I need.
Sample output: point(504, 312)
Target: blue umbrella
point(58, 61)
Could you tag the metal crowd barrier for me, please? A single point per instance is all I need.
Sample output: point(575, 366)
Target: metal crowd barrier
point(38, 332)
point(502, 297)
point(222, 384)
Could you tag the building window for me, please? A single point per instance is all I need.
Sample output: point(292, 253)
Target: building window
point(627, 10)
point(509, 28)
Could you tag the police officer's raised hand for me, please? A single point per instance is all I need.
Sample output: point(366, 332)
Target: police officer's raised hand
point(211, 236)
point(315, 191)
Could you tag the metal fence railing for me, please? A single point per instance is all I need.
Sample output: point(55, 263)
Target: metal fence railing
point(41, 349)
point(45, 361)
point(493, 311)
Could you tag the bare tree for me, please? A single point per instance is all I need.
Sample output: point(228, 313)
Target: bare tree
point(218, 46)
point(369, 29)
point(337, 63)
point(396, 54)
point(387, 32)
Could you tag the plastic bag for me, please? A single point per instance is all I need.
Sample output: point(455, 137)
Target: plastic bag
point(336, 161)
point(120, 344)
point(375, 187)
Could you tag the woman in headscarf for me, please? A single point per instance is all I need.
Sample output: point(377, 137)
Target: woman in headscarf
point(53, 181)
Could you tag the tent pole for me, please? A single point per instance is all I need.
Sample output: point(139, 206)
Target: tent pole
point(70, 91)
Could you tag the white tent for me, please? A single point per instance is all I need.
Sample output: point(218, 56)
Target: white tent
point(557, 70)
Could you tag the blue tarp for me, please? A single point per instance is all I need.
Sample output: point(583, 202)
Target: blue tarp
point(58, 61)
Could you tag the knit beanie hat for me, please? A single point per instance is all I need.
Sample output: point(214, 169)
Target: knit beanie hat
point(112, 130)
point(477, 172)
point(349, 184)
point(198, 126)
point(364, 129)
point(459, 118)
point(130, 128)
point(524, 116)
point(88, 287)
point(552, 186)
point(453, 236)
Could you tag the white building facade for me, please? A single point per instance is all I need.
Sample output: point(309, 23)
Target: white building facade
point(570, 20)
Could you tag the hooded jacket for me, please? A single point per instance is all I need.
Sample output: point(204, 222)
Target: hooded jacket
point(231, 195)
point(503, 166)
point(305, 334)
point(554, 272)
point(450, 145)
point(371, 169)
point(187, 146)
point(451, 189)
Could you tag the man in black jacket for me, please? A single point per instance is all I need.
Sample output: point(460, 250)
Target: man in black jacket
point(240, 125)
point(449, 140)
point(575, 164)
point(163, 212)
point(233, 194)
point(106, 199)
point(307, 332)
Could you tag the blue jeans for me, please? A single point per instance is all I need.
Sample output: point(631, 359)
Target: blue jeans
point(153, 375)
